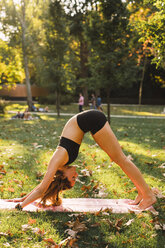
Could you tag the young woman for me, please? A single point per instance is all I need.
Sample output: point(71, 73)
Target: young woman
point(60, 176)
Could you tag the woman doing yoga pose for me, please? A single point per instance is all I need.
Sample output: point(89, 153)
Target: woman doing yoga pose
point(60, 176)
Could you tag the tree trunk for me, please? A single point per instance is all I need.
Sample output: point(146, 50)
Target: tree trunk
point(58, 103)
point(85, 93)
point(108, 105)
point(84, 67)
point(142, 80)
point(25, 58)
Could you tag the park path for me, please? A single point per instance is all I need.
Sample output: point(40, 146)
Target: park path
point(113, 116)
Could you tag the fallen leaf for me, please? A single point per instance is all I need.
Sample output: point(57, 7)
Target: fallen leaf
point(84, 187)
point(158, 193)
point(26, 227)
point(31, 221)
point(51, 241)
point(11, 190)
point(129, 222)
point(3, 234)
point(71, 232)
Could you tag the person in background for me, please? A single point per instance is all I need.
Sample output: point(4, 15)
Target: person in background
point(34, 108)
point(93, 102)
point(81, 102)
point(98, 103)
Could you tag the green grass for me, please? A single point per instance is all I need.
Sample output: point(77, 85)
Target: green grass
point(25, 150)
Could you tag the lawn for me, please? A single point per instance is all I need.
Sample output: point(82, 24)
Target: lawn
point(27, 146)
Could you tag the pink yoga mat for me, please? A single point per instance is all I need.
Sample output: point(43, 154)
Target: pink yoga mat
point(83, 205)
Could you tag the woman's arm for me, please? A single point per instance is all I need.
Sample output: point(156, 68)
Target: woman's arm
point(59, 158)
point(22, 198)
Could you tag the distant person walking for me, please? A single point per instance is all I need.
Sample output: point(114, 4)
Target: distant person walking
point(98, 103)
point(93, 102)
point(81, 102)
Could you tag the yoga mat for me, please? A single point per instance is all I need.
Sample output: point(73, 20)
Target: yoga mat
point(82, 205)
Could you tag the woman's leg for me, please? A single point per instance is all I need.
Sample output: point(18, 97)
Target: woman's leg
point(106, 139)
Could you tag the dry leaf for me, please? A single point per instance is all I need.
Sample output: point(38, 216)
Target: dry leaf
point(3, 234)
point(11, 190)
point(26, 227)
point(129, 222)
point(71, 233)
point(86, 173)
point(158, 193)
point(51, 241)
point(31, 221)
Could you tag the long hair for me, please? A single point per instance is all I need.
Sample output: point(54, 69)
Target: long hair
point(58, 184)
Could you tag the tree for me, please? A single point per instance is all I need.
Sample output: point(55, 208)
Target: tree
point(18, 20)
point(55, 49)
point(11, 68)
point(149, 22)
point(108, 39)
point(77, 17)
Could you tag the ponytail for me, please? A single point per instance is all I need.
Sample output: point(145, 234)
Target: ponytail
point(59, 184)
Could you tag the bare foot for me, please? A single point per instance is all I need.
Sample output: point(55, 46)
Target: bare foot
point(137, 200)
point(147, 202)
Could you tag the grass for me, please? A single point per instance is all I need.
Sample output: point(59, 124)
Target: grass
point(27, 146)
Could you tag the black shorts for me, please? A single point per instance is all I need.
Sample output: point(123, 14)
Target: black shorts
point(71, 147)
point(91, 120)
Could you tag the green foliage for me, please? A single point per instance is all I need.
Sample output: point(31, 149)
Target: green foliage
point(11, 69)
point(109, 60)
point(55, 46)
point(149, 22)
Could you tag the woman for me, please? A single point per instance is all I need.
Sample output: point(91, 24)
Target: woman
point(60, 176)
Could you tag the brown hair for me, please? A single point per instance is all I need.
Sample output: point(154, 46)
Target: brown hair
point(59, 183)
